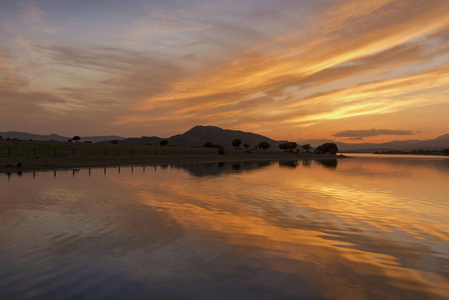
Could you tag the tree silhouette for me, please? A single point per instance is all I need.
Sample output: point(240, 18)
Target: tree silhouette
point(163, 142)
point(288, 146)
point(236, 143)
point(327, 148)
point(246, 145)
point(264, 145)
point(307, 147)
point(208, 145)
point(115, 142)
point(76, 138)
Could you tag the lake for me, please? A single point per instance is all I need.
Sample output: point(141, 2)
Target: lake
point(368, 227)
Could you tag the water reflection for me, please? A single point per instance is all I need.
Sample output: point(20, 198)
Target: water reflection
point(228, 231)
point(328, 163)
point(216, 169)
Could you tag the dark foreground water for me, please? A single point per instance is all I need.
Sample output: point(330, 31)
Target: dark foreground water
point(361, 228)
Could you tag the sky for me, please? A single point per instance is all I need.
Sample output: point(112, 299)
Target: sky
point(350, 71)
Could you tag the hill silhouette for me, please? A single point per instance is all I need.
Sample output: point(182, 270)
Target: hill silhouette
point(199, 135)
point(54, 137)
point(439, 143)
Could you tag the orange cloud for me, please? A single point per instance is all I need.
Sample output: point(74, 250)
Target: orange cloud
point(207, 66)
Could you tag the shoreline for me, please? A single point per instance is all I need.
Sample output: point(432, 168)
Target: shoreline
point(30, 164)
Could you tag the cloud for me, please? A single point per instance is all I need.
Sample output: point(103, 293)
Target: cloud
point(165, 23)
point(360, 134)
point(10, 79)
point(31, 11)
point(239, 68)
point(257, 72)
point(35, 17)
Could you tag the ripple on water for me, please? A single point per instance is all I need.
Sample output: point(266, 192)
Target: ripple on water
point(299, 230)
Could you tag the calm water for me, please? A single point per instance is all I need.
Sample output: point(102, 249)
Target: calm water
point(361, 228)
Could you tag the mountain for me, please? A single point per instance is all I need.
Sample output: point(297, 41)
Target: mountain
point(199, 135)
point(54, 137)
point(31, 136)
point(439, 143)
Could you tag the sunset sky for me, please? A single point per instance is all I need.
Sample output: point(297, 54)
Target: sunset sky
point(353, 71)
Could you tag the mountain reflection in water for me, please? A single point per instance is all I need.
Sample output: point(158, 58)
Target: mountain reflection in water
point(362, 228)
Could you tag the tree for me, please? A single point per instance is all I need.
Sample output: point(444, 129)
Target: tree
point(115, 142)
point(163, 142)
point(208, 145)
point(327, 148)
point(76, 138)
point(307, 147)
point(69, 140)
point(264, 145)
point(288, 146)
point(283, 146)
point(292, 145)
point(236, 143)
point(246, 145)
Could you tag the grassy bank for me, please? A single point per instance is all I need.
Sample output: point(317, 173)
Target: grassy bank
point(16, 156)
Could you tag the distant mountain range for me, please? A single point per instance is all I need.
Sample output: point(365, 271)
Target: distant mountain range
point(55, 137)
point(199, 135)
point(439, 143)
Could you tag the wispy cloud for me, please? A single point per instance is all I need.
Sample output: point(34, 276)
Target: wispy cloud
point(31, 11)
point(260, 69)
point(165, 23)
point(360, 134)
